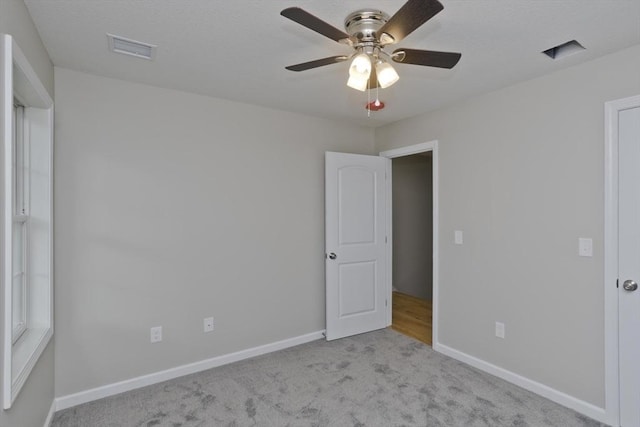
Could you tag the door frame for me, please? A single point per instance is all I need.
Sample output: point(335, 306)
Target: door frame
point(431, 146)
point(611, 309)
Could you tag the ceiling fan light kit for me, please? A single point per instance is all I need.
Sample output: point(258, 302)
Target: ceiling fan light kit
point(368, 32)
point(361, 66)
point(357, 83)
point(387, 75)
point(360, 72)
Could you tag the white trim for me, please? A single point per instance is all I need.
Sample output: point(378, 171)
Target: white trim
point(52, 411)
point(410, 149)
point(6, 87)
point(42, 98)
point(389, 249)
point(19, 379)
point(51, 219)
point(435, 165)
point(611, 345)
point(401, 152)
point(79, 398)
point(611, 384)
point(564, 399)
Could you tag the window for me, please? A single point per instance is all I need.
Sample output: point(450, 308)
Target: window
point(26, 226)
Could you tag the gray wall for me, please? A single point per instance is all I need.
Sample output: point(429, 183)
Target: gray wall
point(16, 21)
point(171, 207)
point(32, 404)
point(521, 173)
point(413, 225)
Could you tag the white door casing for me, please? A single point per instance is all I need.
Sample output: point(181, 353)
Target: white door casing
point(355, 203)
point(430, 146)
point(629, 264)
point(622, 261)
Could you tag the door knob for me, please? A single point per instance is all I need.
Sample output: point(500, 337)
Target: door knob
point(332, 255)
point(629, 285)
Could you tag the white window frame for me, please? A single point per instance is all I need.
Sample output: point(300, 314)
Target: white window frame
point(23, 346)
point(20, 216)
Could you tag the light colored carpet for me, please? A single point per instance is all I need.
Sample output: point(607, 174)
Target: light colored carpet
point(377, 379)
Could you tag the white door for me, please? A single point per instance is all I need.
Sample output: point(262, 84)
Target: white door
point(355, 203)
point(629, 265)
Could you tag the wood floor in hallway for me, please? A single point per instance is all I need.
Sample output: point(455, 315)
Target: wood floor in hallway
point(412, 316)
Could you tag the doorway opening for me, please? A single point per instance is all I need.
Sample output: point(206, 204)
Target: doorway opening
point(414, 235)
point(412, 263)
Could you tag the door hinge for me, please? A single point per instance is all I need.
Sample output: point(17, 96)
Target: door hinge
point(386, 303)
point(385, 239)
point(617, 284)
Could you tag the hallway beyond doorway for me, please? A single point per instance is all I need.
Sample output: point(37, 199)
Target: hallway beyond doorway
point(411, 316)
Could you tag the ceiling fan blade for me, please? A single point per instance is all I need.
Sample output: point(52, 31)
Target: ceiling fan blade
point(306, 19)
point(317, 63)
point(410, 16)
point(430, 58)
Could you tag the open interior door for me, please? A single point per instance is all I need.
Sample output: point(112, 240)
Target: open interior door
point(356, 247)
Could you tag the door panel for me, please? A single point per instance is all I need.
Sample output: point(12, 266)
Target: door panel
point(629, 264)
point(356, 205)
point(357, 290)
point(355, 201)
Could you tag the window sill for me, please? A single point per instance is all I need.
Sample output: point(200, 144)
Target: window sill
point(25, 353)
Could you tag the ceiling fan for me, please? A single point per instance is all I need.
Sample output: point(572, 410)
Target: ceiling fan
point(369, 31)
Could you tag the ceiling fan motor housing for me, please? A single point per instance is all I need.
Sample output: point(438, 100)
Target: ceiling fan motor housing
point(362, 26)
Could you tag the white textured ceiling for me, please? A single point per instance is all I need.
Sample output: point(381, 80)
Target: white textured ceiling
point(237, 49)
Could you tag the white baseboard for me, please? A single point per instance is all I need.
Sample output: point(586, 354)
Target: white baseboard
point(79, 398)
point(52, 411)
point(592, 411)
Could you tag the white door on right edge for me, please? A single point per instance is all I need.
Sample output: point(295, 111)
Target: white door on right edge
point(629, 264)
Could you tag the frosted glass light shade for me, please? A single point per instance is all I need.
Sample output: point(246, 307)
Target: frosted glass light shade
point(360, 66)
point(357, 83)
point(386, 74)
point(359, 72)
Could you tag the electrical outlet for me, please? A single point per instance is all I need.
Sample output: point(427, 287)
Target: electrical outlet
point(208, 324)
point(156, 334)
point(500, 329)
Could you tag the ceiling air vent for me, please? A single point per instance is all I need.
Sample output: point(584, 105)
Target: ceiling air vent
point(563, 50)
point(131, 47)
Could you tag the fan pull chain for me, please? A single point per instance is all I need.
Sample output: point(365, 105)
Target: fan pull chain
point(368, 98)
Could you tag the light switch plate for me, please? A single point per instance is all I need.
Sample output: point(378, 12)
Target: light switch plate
point(585, 246)
point(499, 329)
point(458, 237)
